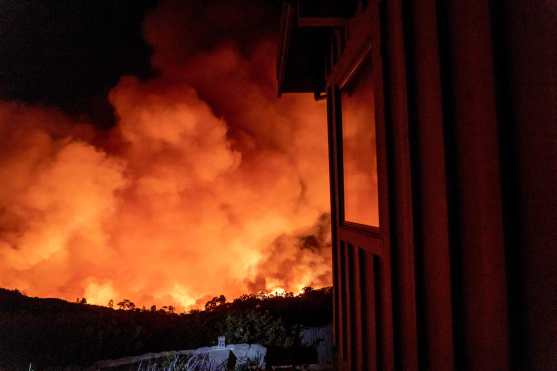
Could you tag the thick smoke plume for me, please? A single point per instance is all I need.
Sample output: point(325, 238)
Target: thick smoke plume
point(208, 184)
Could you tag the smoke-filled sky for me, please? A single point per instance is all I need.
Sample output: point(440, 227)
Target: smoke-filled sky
point(145, 155)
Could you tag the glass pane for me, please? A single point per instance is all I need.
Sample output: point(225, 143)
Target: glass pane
point(359, 150)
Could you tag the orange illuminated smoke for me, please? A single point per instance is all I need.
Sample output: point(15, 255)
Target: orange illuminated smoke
point(208, 184)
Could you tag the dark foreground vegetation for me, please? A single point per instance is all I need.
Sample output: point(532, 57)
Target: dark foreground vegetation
point(50, 333)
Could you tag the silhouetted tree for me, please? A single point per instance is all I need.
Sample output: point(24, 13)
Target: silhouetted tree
point(126, 304)
point(215, 302)
point(81, 300)
point(255, 326)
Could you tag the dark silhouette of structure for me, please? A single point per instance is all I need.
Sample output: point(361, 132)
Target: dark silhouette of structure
point(442, 119)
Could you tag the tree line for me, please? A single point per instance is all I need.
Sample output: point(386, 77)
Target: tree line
point(54, 332)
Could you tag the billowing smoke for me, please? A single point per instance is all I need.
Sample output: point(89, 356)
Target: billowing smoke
point(207, 184)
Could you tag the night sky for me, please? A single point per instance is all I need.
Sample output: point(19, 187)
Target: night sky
point(69, 53)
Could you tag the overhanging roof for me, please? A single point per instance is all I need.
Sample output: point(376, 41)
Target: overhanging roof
point(305, 34)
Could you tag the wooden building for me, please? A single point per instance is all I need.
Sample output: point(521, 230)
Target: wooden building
point(442, 119)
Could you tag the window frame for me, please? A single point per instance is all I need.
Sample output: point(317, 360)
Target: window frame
point(366, 57)
point(351, 45)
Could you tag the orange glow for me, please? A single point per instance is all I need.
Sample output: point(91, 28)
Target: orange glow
point(359, 150)
point(207, 185)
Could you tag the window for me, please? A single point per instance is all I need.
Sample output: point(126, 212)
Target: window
point(359, 149)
